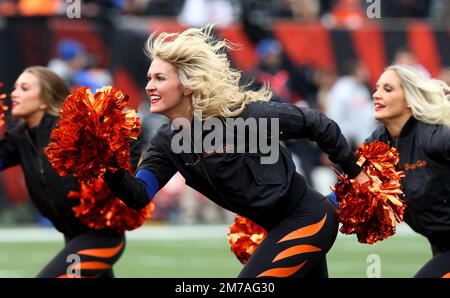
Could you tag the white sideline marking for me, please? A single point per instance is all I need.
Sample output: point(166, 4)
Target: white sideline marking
point(169, 232)
point(166, 232)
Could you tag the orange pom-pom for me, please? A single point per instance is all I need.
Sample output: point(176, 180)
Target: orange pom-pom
point(3, 108)
point(93, 134)
point(245, 236)
point(99, 209)
point(372, 209)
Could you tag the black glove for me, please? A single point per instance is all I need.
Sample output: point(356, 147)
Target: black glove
point(127, 188)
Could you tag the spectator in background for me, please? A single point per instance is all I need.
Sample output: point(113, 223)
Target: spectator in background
point(197, 13)
point(303, 10)
point(350, 103)
point(194, 13)
point(444, 75)
point(318, 168)
point(71, 58)
point(95, 78)
point(272, 71)
point(288, 82)
point(325, 79)
point(77, 67)
point(404, 56)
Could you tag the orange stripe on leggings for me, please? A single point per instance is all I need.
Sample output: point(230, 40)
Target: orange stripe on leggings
point(101, 252)
point(68, 276)
point(446, 275)
point(283, 271)
point(296, 250)
point(75, 276)
point(305, 231)
point(91, 265)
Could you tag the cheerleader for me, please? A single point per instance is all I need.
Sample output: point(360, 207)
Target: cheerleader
point(415, 112)
point(190, 82)
point(88, 252)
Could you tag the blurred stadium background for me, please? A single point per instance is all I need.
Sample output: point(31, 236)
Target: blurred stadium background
point(325, 54)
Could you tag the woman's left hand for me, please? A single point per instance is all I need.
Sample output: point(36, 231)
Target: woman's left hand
point(362, 178)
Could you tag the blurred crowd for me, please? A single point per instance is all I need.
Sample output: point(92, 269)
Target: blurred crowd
point(333, 13)
point(343, 96)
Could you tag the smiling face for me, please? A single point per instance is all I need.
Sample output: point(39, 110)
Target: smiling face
point(26, 100)
point(166, 94)
point(389, 98)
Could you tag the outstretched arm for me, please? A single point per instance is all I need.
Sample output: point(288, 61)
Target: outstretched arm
point(297, 122)
point(152, 174)
point(135, 191)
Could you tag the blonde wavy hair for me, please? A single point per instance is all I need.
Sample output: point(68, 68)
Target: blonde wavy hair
point(429, 99)
point(204, 67)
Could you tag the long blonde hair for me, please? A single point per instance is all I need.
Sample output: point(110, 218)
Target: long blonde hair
point(204, 67)
point(429, 99)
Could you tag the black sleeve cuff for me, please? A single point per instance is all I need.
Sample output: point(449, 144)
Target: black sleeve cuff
point(127, 188)
point(350, 167)
point(114, 178)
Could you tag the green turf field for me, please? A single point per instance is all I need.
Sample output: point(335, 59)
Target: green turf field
point(209, 256)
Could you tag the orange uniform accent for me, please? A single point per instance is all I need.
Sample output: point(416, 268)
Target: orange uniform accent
point(74, 276)
point(305, 231)
point(91, 265)
point(283, 271)
point(296, 250)
point(66, 276)
point(446, 275)
point(101, 252)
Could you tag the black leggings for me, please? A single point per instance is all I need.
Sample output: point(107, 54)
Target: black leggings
point(297, 245)
point(91, 254)
point(438, 266)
